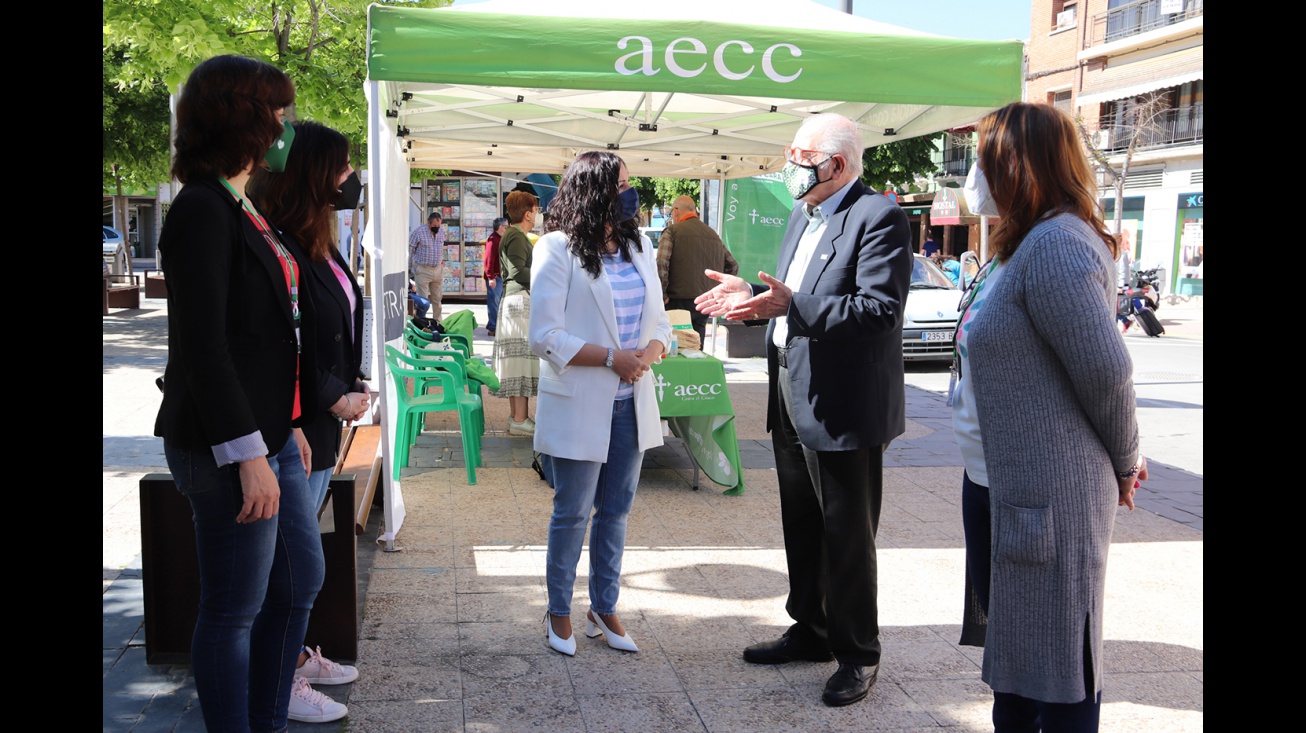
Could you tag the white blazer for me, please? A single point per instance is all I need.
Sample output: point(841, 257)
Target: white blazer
point(573, 415)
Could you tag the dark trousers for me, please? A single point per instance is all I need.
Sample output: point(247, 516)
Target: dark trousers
point(975, 515)
point(830, 511)
point(696, 319)
point(1016, 714)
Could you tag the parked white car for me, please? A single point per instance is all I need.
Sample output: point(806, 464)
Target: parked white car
point(930, 322)
point(112, 238)
point(652, 233)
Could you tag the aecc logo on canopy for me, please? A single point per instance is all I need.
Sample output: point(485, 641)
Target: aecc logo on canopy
point(686, 46)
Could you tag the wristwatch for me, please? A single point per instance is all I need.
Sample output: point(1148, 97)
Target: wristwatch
point(608, 361)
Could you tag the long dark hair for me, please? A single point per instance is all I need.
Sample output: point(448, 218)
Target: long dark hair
point(227, 116)
point(1035, 165)
point(586, 206)
point(302, 199)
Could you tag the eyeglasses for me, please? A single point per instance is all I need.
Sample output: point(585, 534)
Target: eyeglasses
point(806, 157)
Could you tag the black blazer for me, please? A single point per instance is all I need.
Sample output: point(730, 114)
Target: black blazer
point(844, 349)
point(231, 335)
point(336, 355)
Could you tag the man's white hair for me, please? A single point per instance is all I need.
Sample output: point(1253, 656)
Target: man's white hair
point(836, 134)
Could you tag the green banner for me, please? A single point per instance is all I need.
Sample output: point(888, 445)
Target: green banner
point(442, 46)
point(714, 447)
point(688, 386)
point(755, 212)
point(693, 398)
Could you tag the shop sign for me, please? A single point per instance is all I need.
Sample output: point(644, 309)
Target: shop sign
point(947, 207)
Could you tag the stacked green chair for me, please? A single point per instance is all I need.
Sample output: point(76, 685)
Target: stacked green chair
point(475, 371)
point(448, 359)
point(457, 340)
point(453, 396)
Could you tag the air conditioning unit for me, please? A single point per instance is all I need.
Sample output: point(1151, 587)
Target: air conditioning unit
point(1066, 18)
point(1102, 139)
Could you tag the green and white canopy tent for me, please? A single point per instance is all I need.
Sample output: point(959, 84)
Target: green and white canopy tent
point(679, 88)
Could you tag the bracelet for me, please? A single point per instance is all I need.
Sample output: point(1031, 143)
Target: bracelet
point(1131, 472)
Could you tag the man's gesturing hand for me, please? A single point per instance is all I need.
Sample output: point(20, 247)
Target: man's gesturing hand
point(733, 299)
point(721, 299)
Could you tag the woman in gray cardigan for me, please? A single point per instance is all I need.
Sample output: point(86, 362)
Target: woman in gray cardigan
point(1045, 418)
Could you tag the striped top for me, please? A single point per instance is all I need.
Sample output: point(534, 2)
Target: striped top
point(628, 302)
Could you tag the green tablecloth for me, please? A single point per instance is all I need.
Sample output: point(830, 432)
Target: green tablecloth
point(693, 399)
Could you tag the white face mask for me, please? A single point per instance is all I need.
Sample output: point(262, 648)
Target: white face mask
point(979, 199)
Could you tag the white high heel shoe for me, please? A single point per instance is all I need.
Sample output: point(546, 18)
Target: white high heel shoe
point(595, 626)
point(558, 644)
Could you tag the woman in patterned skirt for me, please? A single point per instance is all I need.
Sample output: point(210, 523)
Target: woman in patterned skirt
point(517, 368)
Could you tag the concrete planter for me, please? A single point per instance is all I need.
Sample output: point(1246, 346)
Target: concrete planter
point(745, 341)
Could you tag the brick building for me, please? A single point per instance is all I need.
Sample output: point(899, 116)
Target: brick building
point(1101, 60)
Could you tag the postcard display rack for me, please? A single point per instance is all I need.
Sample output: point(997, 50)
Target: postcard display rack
point(469, 206)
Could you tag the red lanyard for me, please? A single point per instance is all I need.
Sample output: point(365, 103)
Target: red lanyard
point(288, 268)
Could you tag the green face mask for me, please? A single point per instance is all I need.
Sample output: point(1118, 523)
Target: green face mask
point(280, 150)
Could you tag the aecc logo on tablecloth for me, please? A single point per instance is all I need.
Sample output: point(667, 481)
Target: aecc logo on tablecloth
point(687, 392)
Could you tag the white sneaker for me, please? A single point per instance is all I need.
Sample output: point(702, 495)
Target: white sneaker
point(524, 428)
point(319, 670)
point(310, 706)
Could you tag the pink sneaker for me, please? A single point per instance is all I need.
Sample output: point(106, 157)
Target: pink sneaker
point(319, 670)
point(310, 706)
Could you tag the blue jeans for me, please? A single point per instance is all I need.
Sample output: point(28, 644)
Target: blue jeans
point(318, 482)
point(492, 297)
point(258, 582)
point(609, 490)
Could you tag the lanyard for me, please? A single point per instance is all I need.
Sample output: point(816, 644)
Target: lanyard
point(967, 299)
point(287, 263)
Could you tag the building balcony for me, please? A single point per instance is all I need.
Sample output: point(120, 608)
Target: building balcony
point(1141, 23)
point(956, 163)
point(1178, 127)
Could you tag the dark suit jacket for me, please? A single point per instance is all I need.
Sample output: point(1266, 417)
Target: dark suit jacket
point(844, 349)
point(337, 356)
point(231, 335)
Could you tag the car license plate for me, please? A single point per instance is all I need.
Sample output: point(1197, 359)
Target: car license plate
point(936, 335)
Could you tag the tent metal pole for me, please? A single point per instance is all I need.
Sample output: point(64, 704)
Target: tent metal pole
point(717, 217)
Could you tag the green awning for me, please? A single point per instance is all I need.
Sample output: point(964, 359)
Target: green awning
point(680, 87)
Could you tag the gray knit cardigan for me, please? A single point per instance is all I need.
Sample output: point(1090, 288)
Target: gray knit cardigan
point(1054, 395)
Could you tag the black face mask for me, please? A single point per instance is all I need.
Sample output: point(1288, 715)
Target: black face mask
point(435, 229)
point(350, 192)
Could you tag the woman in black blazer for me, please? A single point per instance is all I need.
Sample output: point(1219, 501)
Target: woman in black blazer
point(234, 394)
point(300, 203)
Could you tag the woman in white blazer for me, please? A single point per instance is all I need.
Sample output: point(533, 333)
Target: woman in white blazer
point(597, 323)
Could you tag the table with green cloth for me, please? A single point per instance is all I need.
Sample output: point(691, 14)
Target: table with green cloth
point(693, 399)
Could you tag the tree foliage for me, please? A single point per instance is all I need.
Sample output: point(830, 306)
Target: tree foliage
point(658, 192)
point(321, 44)
point(136, 129)
point(898, 164)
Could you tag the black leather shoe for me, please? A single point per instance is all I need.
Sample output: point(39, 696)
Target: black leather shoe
point(786, 649)
point(849, 684)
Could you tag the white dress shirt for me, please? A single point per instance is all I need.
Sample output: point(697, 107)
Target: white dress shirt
point(816, 221)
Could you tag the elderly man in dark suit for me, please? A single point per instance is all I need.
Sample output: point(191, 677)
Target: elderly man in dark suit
point(834, 353)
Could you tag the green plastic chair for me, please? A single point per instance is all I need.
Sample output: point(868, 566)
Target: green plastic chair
point(413, 406)
point(422, 349)
point(445, 361)
point(457, 340)
point(450, 360)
